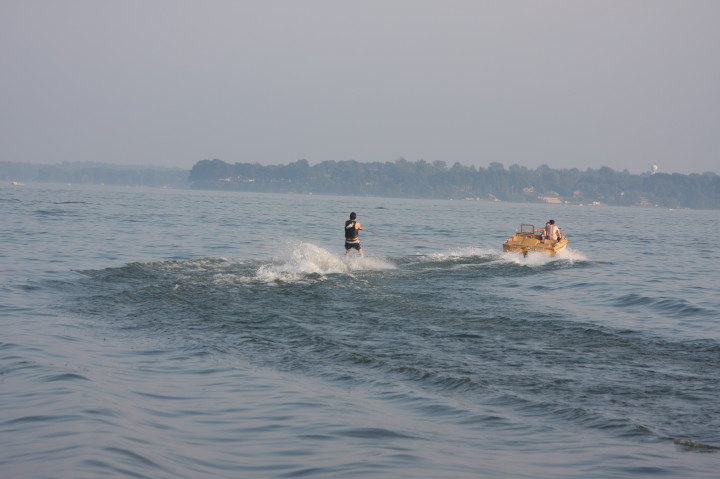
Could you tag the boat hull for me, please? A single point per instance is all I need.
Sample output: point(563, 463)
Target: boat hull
point(525, 243)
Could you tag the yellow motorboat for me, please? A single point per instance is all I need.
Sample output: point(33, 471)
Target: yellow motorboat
point(525, 240)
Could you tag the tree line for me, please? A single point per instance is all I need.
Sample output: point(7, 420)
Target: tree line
point(421, 179)
point(401, 178)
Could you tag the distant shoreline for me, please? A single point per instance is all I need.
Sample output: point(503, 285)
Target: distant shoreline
point(400, 179)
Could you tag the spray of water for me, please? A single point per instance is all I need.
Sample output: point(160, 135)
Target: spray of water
point(540, 259)
point(308, 261)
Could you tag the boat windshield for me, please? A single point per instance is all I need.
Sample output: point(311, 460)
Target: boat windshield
point(526, 229)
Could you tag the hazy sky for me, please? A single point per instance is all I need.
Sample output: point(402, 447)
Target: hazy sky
point(573, 83)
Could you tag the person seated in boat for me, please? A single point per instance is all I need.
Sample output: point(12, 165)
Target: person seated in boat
point(550, 232)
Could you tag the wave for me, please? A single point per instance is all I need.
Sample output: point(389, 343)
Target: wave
point(694, 445)
point(670, 306)
point(303, 262)
point(565, 257)
point(308, 261)
point(428, 323)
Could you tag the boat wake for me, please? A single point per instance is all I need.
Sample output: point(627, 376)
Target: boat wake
point(567, 255)
point(308, 261)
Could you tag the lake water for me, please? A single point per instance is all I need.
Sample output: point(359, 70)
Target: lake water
point(192, 334)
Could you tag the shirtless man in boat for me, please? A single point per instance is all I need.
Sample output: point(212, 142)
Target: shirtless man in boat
point(550, 231)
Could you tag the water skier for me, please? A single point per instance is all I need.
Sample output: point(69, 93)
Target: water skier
point(352, 237)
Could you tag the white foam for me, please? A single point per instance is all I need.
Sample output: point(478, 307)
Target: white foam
point(306, 260)
point(571, 254)
point(531, 259)
point(540, 259)
point(460, 252)
point(356, 263)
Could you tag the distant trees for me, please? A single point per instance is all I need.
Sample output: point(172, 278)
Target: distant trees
point(401, 178)
point(421, 179)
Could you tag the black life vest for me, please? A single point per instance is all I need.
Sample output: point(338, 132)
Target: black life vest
point(350, 231)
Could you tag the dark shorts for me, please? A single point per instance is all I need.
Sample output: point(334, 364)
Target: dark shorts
point(353, 245)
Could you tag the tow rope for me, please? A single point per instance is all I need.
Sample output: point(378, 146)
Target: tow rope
point(419, 240)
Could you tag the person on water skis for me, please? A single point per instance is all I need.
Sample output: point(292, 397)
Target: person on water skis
point(352, 237)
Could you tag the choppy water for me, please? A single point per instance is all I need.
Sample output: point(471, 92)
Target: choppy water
point(185, 334)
